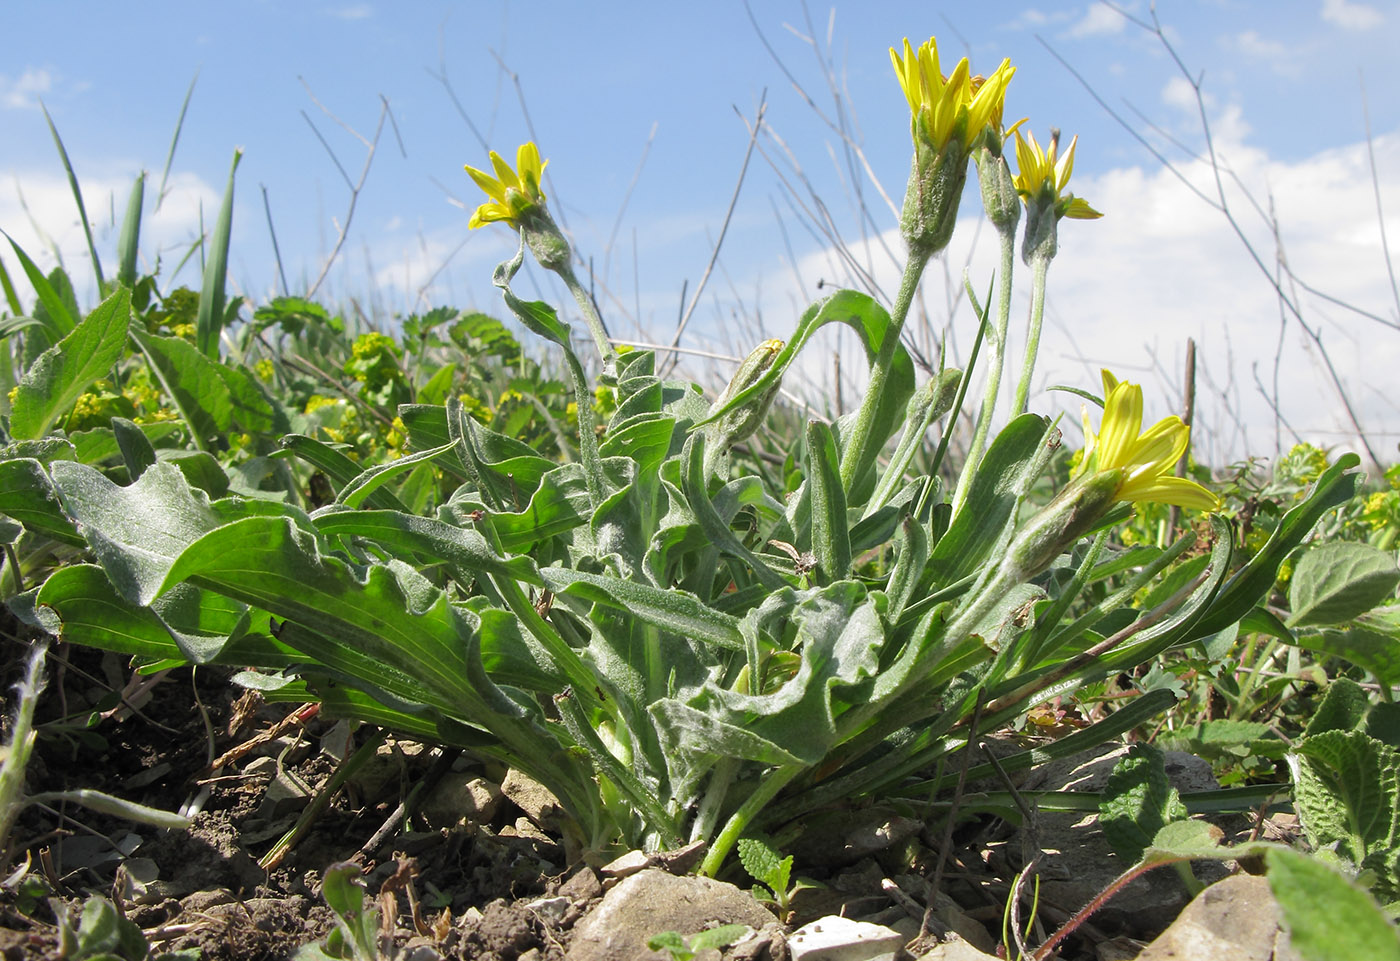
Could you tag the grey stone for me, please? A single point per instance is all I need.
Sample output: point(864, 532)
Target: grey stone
point(835, 938)
point(530, 796)
point(651, 902)
point(1077, 862)
point(1237, 918)
point(955, 949)
point(461, 797)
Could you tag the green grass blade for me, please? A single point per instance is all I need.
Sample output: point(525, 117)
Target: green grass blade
point(11, 298)
point(77, 196)
point(170, 155)
point(210, 322)
point(61, 320)
point(130, 236)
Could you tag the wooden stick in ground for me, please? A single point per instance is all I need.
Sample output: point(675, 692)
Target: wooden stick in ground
point(1188, 413)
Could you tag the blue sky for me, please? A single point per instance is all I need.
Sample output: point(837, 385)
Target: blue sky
point(601, 82)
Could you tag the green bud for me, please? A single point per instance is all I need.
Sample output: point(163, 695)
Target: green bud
point(543, 237)
point(936, 179)
point(1069, 516)
point(741, 423)
point(999, 197)
point(1042, 232)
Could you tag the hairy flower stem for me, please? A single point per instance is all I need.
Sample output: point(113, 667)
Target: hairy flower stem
point(596, 327)
point(729, 835)
point(16, 758)
point(880, 370)
point(994, 368)
point(1040, 265)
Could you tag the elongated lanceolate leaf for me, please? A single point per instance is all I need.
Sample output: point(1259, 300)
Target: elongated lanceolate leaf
point(128, 242)
point(210, 397)
point(335, 465)
point(138, 531)
point(1247, 585)
point(670, 610)
point(831, 540)
point(271, 563)
point(67, 369)
point(1008, 470)
point(407, 536)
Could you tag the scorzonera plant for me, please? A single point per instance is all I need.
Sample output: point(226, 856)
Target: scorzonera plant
point(677, 644)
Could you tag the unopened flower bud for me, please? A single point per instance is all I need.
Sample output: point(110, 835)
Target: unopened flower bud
point(741, 423)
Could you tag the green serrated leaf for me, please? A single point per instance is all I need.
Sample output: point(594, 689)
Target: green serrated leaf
point(1328, 917)
point(1343, 708)
point(1347, 793)
point(1339, 580)
point(1138, 801)
point(67, 369)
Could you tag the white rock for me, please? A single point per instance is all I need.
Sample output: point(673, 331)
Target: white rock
point(835, 938)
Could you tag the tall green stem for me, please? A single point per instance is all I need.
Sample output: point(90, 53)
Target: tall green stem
point(1040, 265)
point(879, 372)
point(591, 318)
point(997, 362)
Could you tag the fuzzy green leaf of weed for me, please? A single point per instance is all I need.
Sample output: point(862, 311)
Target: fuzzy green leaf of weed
point(1347, 792)
point(1339, 580)
point(1329, 918)
point(1138, 801)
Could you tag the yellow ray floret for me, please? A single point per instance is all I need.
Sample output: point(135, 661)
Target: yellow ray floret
point(1146, 459)
point(1041, 174)
point(512, 192)
point(958, 105)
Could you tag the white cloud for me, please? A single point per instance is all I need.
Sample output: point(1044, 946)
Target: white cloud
point(24, 91)
point(1351, 16)
point(357, 11)
point(1099, 20)
point(1128, 290)
point(51, 223)
point(1280, 58)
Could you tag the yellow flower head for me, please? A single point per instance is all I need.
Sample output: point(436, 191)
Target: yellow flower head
point(1041, 177)
point(959, 105)
point(512, 192)
point(1146, 459)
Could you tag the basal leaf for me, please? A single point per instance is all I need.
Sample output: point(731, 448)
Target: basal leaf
point(670, 610)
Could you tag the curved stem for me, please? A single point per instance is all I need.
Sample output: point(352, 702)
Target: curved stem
point(998, 360)
point(1040, 265)
point(880, 370)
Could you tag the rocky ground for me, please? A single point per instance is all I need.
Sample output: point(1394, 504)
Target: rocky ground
point(476, 869)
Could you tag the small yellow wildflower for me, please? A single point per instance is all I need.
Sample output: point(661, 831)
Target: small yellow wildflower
point(949, 116)
point(1041, 178)
point(1146, 459)
point(943, 107)
point(512, 192)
